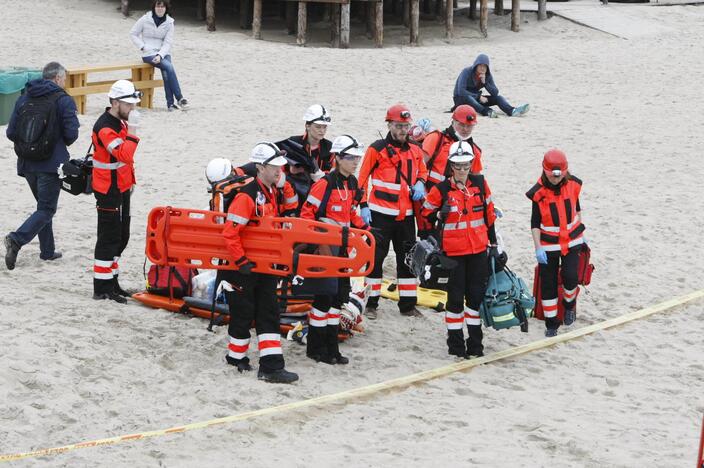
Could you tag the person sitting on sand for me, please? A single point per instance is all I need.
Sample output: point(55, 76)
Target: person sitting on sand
point(468, 90)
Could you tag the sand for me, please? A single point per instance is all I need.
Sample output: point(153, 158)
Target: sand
point(625, 112)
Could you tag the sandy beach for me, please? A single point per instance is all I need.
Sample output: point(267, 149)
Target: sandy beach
point(626, 112)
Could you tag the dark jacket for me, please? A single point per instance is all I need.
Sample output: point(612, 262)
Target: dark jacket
point(66, 128)
point(467, 84)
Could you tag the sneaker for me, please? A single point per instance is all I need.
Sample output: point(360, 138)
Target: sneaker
point(492, 114)
point(12, 248)
point(570, 316)
point(550, 332)
point(520, 110)
point(111, 296)
point(183, 103)
point(55, 256)
point(277, 376)
point(174, 107)
point(412, 313)
point(371, 313)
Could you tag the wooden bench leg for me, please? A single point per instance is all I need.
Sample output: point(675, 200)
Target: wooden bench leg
point(77, 81)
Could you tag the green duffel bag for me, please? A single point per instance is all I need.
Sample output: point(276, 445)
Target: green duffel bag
point(507, 301)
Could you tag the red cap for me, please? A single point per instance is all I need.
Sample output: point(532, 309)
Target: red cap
point(398, 113)
point(465, 114)
point(554, 159)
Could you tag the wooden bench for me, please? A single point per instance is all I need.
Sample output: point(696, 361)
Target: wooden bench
point(142, 75)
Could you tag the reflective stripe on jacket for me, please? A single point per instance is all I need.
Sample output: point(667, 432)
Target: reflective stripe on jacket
point(113, 158)
point(340, 208)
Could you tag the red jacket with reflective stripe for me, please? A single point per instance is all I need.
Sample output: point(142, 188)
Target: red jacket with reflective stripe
point(113, 158)
point(465, 229)
point(389, 191)
point(254, 201)
point(340, 208)
point(440, 142)
point(560, 222)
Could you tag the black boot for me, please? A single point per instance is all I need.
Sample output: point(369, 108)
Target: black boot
point(474, 341)
point(317, 347)
point(242, 365)
point(277, 376)
point(334, 345)
point(570, 312)
point(551, 326)
point(455, 343)
point(118, 290)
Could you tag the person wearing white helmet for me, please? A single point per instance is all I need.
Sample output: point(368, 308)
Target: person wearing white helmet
point(462, 208)
point(313, 143)
point(334, 199)
point(217, 170)
point(253, 295)
point(115, 145)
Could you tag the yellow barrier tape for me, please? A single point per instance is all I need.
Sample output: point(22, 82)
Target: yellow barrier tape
point(358, 393)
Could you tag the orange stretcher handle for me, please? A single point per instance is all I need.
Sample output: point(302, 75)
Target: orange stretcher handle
point(193, 238)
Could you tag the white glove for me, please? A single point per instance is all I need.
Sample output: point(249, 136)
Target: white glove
point(133, 119)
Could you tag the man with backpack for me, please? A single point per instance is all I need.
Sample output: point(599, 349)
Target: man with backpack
point(42, 125)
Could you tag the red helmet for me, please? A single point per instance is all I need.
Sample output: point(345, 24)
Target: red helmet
point(555, 160)
point(465, 114)
point(398, 113)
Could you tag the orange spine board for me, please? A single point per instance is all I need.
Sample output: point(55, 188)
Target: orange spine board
point(193, 238)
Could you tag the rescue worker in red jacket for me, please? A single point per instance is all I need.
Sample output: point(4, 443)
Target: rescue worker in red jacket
point(558, 236)
point(115, 144)
point(393, 175)
point(254, 294)
point(462, 203)
point(334, 199)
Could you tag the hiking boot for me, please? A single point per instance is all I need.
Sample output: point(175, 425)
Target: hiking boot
point(111, 296)
point(242, 365)
point(492, 114)
point(520, 110)
point(122, 292)
point(570, 316)
point(277, 376)
point(12, 248)
point(340, 359)
point(183, 103)
point(412, 313)
point(370, 313)
point(550, 332)
point(55, 256)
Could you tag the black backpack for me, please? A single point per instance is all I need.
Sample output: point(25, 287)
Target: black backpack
point(36, 132)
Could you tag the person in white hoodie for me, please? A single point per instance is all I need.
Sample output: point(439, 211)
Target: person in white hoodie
point(153, 33)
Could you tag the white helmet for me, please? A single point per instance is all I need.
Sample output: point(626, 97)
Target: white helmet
point(461, 152)
point(267, 153)
point(217, 169)
point(123, 90)
point(346, 144)
point(317, 114)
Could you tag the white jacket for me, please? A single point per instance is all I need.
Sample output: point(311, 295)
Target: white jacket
point(150, 39)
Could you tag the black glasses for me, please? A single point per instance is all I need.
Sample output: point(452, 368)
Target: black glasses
point(405, 115)
point(324, 118)
point(136, 94)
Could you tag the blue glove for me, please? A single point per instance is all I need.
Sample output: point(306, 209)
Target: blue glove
point(541, 255)
point(418, 191)
point(366, 215)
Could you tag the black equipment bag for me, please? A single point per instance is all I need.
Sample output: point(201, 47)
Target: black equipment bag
point(77, 175)
point(36, 123)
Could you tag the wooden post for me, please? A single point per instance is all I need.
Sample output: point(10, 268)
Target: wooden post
point(472, 9)
point(125, 8)
point(414, 20)
point(345, 25)
point(379, 23)
point(335, 25)
point(499, 7)
point(449, 19)
point(302, 23)
point(484, 17)
point(515, 15)
point(291, 17)
point(210, 14)
point(257, 19)
point(542, 10)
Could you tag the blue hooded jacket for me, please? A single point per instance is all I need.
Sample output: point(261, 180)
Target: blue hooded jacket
point(66, 128)
point(466, 86)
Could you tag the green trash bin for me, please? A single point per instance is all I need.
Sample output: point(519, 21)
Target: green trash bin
point(12, 82)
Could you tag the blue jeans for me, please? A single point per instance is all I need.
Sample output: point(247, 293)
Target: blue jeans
point(46, 188)
point(484, 108)
point(168, 74)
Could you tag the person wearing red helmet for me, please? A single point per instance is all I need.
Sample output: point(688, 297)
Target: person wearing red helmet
point(558, 235)
point(465, 213)
point(393, 175)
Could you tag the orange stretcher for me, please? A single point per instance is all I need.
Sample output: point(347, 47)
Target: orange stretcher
point(180, 306)
point(193, 238)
